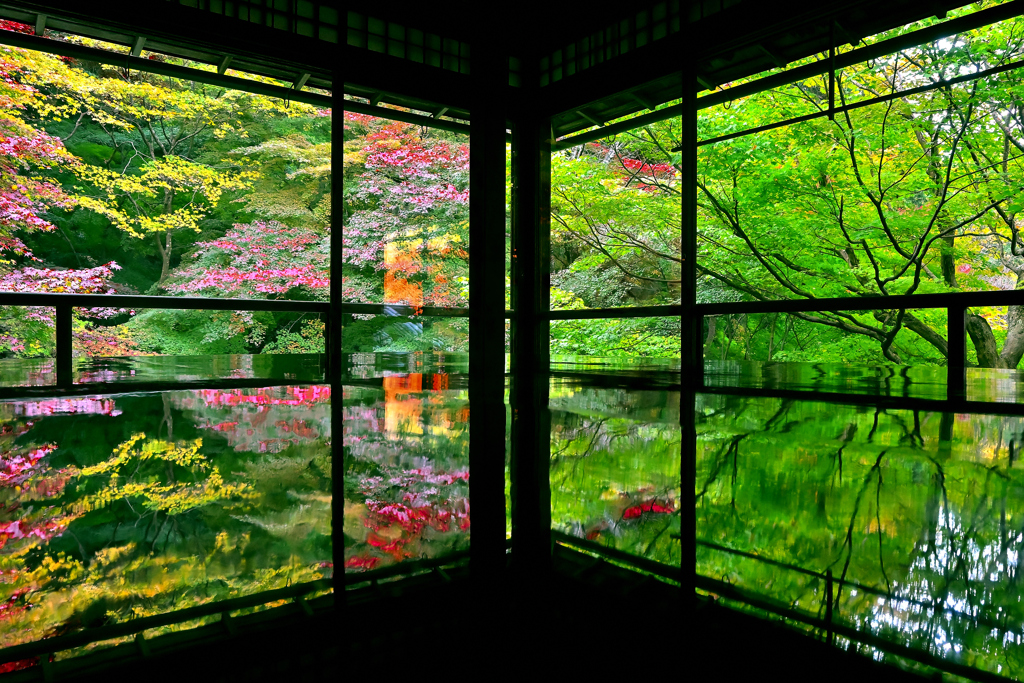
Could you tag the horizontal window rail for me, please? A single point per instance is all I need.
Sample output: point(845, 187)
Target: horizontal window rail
point(357, 579)
point(664, 571)
point(828, 625)
point(831, 111)
point(894, 402)
point(955, 303)
point(800, 73)
point(44, 648)
point(866, 303)
point(54, 299)
point(882, 48)
point(403, 309)
point(126, 61)
point(132, 387)
point(143, 301)
point(63, 303)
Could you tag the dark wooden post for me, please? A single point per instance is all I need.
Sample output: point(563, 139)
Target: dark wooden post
point(830, 636)
point(489, 75)
point(333, 368)
point(956, 376)
point(692, 350)
point(63, 340)
point(531, 421)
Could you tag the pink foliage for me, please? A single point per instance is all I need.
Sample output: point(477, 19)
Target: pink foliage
point(265, 258)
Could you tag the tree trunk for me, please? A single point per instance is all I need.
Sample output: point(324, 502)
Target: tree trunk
point(1013, 347)
point(927, 333)
point(948, 261)
point(165, 257)
point(984, 342)
point(709, 340)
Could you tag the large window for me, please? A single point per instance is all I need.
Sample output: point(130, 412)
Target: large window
point(891, 184)
point(180, 195)
point(616, 207)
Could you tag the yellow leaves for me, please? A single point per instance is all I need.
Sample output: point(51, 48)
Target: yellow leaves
point(69, 568)
point(108, 556)
point(172, 498)
point(169, 193)
point(353, 154)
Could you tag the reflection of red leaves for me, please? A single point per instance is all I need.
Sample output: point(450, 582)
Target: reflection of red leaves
point(391, 547)
point(16, 468)
point(649, 506)
point(294, 396)
point(44, 531)
point(19, 664)
point(361, 562)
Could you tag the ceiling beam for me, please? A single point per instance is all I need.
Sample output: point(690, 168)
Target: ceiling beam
point(124, 61)
point(590, 118)
point(776, 59)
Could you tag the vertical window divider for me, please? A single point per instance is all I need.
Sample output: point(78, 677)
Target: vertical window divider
point(956, 332)
point(64, 344)
point(691, 352)
point(832, 71)
point(334, 362)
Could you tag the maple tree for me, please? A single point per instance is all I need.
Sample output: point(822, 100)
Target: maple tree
point(406, 213)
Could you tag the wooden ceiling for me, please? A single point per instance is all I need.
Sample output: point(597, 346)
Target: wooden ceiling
point(733, 39)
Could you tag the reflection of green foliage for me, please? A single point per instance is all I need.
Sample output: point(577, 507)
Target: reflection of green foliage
point(190, 332)
point(403, 335)
point(642, 337)
point(614, 452)
point(921, 505)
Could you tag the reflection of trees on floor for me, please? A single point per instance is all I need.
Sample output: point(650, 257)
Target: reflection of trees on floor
point(118, 508)
point(615, 468)
point(924, 509)
point(407, 470)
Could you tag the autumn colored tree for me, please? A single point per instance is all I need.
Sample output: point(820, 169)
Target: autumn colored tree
point(406, 213)
point(159, 172)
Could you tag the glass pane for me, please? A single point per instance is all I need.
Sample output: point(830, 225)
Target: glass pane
point(397, 334)
point(453, 366)
point(116, 508)
point(28, 346)
point(914, 512)
point(994, 351)
point(406, 213)
point(946, 57)
point(406, 470)
point(508, 226)
point(615, 220)
point(835, 352)
point(195, 345)
point(888, 199)
point(134, 183)
point(615, 467)
point(619, 338)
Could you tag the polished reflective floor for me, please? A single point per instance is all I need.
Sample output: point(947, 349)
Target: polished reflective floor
point(122, 506)
point(119, 506)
